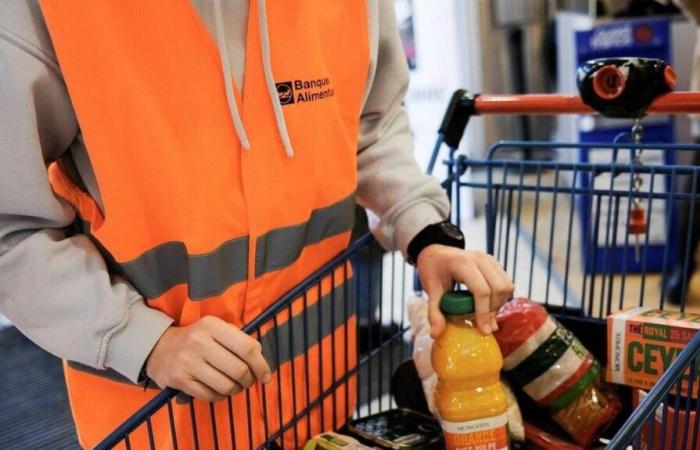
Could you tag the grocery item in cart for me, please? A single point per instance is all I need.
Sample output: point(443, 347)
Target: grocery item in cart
point(676, 428)
point(334, 441)
point(469, 396)
point(399, 429)
point(417, 309)
point(644, 341)
point(540, 439)
point(516, 427)
point(554, 369)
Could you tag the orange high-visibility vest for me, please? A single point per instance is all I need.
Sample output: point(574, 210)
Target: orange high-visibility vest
point(200, 226)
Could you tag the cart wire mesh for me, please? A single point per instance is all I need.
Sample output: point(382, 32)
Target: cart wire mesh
point(559, 227)
point(352, 372)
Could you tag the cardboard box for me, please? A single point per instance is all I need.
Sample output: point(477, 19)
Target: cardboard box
point(643, 342)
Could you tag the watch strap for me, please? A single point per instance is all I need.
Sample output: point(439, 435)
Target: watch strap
point(444, 233)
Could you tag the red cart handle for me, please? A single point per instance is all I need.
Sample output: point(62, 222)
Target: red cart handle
point(671, 103)
point(464, 105)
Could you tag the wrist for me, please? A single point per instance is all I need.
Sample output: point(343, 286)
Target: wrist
point(443, 233)
point(144, 377)
point(158, 353)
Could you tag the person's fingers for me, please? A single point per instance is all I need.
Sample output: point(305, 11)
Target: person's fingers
point(435, 317)
point(509, 281)
point(470, 275)
point(500, 287)
point(245, 347)
point(506, 278)
point(213, 379)
point(230, 365)
point(510, 291)
point(494, 322)
point(200, 391)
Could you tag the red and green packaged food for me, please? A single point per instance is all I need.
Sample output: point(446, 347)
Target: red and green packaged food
point(546, 361)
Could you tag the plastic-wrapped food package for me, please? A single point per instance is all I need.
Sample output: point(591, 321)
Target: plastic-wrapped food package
point(516, 427)
point(422, 345)
point(417, 310)
point(554, 369)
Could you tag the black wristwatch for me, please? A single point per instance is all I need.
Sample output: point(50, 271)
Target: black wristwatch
point(444, 233)
point(144, 380)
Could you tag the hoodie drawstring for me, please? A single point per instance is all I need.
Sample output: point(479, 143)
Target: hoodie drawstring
point(228, 79)
point(269, 78)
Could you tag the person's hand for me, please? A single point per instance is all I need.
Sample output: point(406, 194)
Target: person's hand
point(208, 360)
point(439, 266)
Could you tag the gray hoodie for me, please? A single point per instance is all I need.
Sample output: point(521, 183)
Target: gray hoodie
point(55, 287)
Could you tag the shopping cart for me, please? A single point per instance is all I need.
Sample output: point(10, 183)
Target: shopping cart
point(536, 211)
point(536, 214)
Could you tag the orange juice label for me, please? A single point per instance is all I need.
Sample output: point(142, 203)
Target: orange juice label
point(643, 342)
point(483, 434)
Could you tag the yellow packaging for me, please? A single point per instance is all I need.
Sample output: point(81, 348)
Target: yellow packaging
point(468, 395)
point(643, 342)
point(334, 441)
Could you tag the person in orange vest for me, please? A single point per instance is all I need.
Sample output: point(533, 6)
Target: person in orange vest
point(170, 169)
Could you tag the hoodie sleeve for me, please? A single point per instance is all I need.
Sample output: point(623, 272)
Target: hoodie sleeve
point(55, 288)
point(402, 199)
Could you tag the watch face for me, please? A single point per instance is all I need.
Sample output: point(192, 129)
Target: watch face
point(452, 231)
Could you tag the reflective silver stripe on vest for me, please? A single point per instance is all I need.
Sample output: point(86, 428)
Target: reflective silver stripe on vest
point(279, 248)
point(208, 274)
point(309, 327)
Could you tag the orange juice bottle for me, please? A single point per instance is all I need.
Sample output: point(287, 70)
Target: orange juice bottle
point(469, 395)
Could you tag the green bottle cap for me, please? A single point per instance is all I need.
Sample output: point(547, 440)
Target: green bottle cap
point(457, 302)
